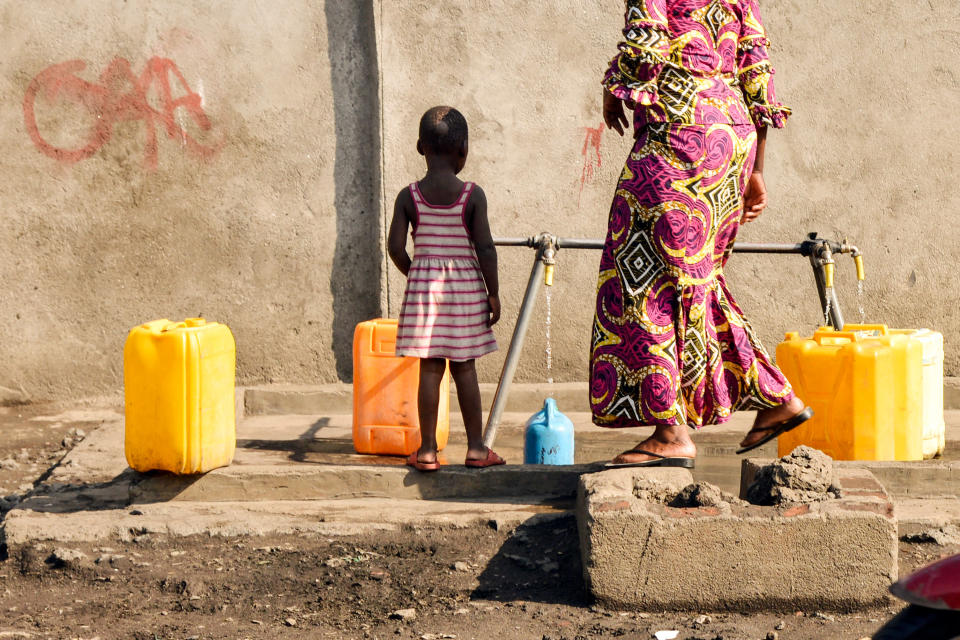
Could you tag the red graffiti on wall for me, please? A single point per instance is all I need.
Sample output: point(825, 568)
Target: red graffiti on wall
point(591, 142)
point(119, 96)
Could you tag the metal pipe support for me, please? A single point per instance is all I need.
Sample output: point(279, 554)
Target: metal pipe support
point(516, 347)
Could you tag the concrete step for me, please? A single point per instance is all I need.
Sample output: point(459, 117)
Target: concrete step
point(276, 399)
point(338, 398)
point(334, 482)
point(25, 528)
point(923, 516)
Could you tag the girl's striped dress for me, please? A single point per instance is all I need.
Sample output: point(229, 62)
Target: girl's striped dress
point(445, 309)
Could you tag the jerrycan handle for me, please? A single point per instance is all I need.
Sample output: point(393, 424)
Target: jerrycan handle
point(550, 410)
point(155, 326)
point(879, 329)
point(827, 335)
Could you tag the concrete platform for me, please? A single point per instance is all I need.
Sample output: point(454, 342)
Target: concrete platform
point(640, 553)
point(282, 460)
point(312, 457)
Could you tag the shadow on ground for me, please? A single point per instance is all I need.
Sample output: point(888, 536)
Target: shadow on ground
point(539, 562)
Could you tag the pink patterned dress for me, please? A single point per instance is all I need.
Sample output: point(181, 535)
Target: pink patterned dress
point(670, 345)
point(445, 309)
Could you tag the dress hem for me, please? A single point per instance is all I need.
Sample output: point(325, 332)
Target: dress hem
point(443, 353)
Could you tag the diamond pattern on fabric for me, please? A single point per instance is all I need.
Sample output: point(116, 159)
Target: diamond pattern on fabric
point(638, 264)
point(678, 91)
point(694, 358)
point(625, 407)
point(715, 17)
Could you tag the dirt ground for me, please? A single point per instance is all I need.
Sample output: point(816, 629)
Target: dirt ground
point(417, 583)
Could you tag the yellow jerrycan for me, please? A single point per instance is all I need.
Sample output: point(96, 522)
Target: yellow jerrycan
point(908, 386)
point(931, 379)
point(385, 411)
point(849, 382)
point(178, 380)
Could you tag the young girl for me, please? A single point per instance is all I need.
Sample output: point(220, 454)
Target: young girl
point(452, 296)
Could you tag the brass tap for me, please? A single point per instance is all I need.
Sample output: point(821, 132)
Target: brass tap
point(828, 269)
point(854, 252)
point(826, 260)
point(548, 255)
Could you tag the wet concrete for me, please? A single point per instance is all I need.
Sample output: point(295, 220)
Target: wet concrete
point(328, 440)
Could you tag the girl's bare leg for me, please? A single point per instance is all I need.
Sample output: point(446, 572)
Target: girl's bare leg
point(670, 441)
point(428, 398)
point(471, 407)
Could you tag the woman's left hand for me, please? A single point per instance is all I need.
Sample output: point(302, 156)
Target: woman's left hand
point(754, 197)
point(613, 114)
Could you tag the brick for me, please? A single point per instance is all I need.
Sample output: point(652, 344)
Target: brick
point(799, 510)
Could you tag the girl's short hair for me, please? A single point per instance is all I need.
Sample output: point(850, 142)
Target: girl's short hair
point(443, 130)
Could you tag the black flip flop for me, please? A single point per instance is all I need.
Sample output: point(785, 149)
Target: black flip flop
point(778, 428)
point(659, 461)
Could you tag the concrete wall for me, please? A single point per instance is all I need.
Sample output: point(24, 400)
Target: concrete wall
point(269, 223)
point(869, 154)
point(273, 222)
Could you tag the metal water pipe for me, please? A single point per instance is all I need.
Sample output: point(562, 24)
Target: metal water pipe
point(820, 252)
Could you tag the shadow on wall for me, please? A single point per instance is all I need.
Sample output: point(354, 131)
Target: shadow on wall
point(355, 279)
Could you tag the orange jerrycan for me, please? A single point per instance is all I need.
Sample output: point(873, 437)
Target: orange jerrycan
point(849, 382)
point(385, 418)
point(178, 380)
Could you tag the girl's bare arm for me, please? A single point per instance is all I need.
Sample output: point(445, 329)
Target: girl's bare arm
point(486, 251)
point(397, 238)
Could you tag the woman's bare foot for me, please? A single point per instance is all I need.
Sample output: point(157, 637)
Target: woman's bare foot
point(768, 417)
point(671, 442)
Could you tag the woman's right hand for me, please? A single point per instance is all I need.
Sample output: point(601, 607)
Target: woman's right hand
point(754, 197)
point(613, 114)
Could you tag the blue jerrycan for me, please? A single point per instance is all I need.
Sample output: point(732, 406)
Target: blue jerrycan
point(549, 436)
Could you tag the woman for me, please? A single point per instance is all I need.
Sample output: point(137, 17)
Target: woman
point(670, 347)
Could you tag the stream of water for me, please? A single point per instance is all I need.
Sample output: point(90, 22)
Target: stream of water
point(860, 301)
point(549, 348)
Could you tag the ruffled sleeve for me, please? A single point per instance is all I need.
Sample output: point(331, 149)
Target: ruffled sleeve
point(755, 71)
point(633, 71)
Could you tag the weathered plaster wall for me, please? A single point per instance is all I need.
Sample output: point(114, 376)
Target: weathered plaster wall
point(272, 228)
point(273, 223)
point(869, 154)
point(526, 78)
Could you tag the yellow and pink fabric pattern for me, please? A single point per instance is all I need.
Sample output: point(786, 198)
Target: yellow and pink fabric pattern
point(670, 345)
